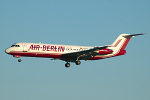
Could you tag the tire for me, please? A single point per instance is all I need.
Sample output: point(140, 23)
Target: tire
point(78, 62)
point(67, 65)
point(19, 60)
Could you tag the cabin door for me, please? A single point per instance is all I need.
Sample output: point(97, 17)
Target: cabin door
point(25, 49)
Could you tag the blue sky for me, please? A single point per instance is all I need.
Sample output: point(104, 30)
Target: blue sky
point(78, 22)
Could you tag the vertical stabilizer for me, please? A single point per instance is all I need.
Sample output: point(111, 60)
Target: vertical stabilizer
point(121, 42)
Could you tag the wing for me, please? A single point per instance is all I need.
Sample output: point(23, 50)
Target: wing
point(81, 55)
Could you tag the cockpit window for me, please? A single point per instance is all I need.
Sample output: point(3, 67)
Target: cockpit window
point(15, 46)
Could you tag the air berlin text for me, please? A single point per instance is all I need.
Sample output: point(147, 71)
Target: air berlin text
point(47, 48)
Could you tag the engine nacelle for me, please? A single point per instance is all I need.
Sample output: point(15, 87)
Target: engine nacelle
point(105, 51)
point(122, 52)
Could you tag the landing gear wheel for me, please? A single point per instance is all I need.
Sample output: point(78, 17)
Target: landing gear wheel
point(67, 65)
point(78, 62)
point(19, 60)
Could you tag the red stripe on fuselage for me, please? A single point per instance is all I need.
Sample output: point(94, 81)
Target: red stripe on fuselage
point(36, 54)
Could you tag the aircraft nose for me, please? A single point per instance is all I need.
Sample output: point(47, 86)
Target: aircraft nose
point(7, 50)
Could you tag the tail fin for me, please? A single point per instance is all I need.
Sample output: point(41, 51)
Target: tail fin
point(121, 42)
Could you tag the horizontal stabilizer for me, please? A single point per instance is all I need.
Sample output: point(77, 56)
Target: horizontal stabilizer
point(130, 36)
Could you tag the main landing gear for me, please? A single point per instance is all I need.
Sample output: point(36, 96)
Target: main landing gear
point(78, 62)
point(68, 64)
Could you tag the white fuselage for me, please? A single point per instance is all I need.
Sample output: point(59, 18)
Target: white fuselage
point(48, 50)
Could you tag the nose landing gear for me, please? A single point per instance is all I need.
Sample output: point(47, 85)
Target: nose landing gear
point(19, 60)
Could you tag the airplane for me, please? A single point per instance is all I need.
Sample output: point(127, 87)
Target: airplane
point(71, 53)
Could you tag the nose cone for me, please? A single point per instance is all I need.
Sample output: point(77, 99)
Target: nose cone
point(7, 51)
